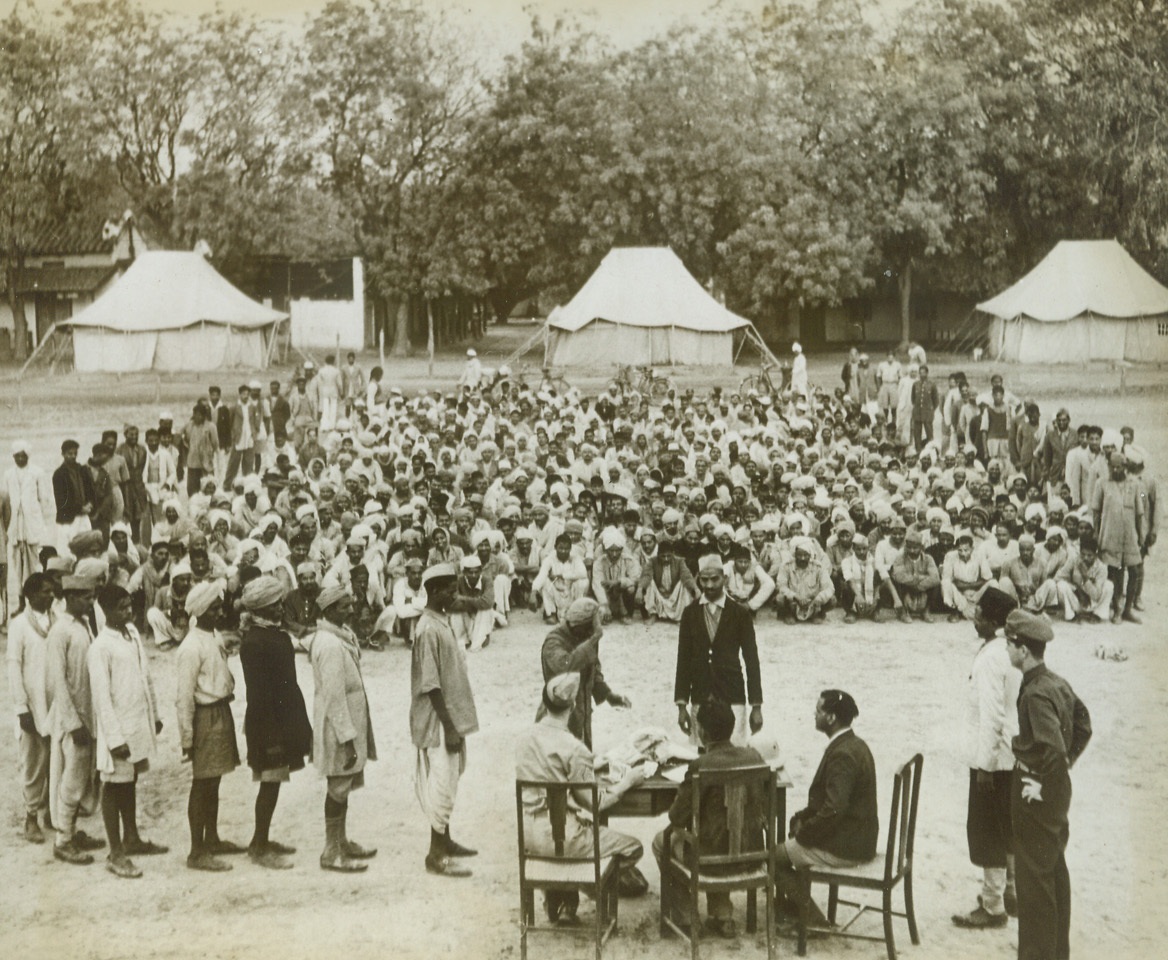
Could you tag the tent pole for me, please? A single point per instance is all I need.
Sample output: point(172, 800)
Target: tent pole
point(527, 344)
point(45, 341)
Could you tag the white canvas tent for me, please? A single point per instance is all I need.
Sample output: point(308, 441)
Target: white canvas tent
point(642, 306)
point(1086, 300)
point(171, 311)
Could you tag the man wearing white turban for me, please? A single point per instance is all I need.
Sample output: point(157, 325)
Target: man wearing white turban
point(205, 688)
point(26, 512)
point(614, 577)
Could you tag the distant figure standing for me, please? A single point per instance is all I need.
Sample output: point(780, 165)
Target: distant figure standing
point(889, 375)
point(352, 383)
point(327, 387)
point(26, 510)
point(472, 373)
point(799, 372)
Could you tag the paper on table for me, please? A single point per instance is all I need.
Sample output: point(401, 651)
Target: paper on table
point(676, 774)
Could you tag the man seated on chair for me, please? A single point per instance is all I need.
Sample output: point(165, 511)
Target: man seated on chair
point(549, 751)
point(839, 826)
point(715, 723)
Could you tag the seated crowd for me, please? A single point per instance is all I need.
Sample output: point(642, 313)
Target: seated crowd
point(811, 501)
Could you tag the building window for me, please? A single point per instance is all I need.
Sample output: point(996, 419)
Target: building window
point(1162, 327)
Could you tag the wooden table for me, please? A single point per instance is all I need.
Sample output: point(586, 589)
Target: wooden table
point(654, 796)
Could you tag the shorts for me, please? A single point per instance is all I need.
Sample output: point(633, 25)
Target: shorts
point(339, 788)
point(214, 751)
point(124, 771)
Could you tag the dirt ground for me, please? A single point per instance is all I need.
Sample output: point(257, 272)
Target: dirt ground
point(908, 682)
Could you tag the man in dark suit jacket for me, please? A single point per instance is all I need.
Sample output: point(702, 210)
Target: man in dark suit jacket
point(715, 723)
point(839, 826)
point(715, 639)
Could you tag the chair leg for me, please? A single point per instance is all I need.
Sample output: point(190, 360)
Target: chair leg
point(601, 921)
point(832, 901)
point(695, 922)
point(804, 912)
point(889, 934)
point(666, 902)
point(751, 911)
point(910, 911)
point(770, 919)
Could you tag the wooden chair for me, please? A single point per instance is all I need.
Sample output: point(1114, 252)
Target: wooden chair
point(738, 869)
point(885, 877)
point(592, 875)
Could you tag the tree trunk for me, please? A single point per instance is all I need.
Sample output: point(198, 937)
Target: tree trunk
point(430, 337)
point(401, 336)
point(19, 318)
point(904, 287)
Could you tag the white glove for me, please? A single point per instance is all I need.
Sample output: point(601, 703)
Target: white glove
point(1031, 790)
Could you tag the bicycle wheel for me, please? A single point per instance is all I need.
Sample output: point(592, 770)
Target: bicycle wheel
point(558, 384)
point(755, 383)
point(658, 389)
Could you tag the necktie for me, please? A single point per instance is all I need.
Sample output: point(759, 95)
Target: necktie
point(713, 616)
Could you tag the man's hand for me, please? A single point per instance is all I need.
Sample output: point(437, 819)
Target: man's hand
point(157, 727)
point(634, 776)
point(188, 754)
point(755, 719)
point(350, 749)
point(121, 752)
point(619, 700)
point(985, 782)
point(683, 719)
point(453, 742)
point(1031, 790)
point(81, 737)
point(27, 724)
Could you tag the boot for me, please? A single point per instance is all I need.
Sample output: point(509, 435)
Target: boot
point(457, 849)
point(439, 861)
point(32, 830)
point(352, 849)
point(334, 857)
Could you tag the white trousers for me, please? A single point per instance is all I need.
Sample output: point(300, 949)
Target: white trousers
point(436, 782)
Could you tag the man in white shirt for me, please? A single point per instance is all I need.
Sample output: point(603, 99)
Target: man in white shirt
point(991, 721)
point(889, 374)
point(27, 510)
point(27, 685)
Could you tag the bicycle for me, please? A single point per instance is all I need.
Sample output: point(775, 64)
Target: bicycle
point(655, 388)
point(762, 383)
point(510, 383)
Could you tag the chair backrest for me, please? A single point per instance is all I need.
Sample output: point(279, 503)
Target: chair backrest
point(730, 788)
point(902, 819)
point(557, 793)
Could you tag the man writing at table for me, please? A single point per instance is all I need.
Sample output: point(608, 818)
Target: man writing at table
point(839, 825)
point(715, 724)
point(550, 751)
point(715, 638)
